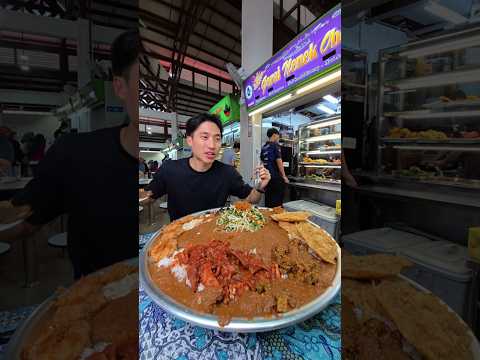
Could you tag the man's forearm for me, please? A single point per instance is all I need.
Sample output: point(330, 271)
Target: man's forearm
point(254, 196)
point(281, 169)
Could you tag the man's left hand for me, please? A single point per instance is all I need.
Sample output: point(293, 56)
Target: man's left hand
point(264, 175)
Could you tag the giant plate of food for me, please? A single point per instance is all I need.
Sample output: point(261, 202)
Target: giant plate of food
point(242, 268)
point(87, 321)
point(388, 316)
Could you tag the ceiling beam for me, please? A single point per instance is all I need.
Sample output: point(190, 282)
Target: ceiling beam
point(153, 18)
point(214, 27)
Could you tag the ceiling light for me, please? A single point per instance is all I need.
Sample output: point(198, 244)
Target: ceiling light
point(331, 99)
point(325, 109)
point(271, 105)
point(445, 13)
point(322, 81)
point(325, 124)
point(462, 41)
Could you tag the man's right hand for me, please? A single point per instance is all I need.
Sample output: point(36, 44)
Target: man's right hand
point(286, 180)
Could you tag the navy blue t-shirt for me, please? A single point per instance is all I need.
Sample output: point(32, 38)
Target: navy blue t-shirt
point(270, 153)
point(190, 191)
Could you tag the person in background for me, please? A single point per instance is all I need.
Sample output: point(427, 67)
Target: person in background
point(77, 171)
point(38, 151)
point(141, 165)
point(154, 166)
point(200, 182)
point(271, 156)
point(62, 130)
point(229, 155)
point(7, 153)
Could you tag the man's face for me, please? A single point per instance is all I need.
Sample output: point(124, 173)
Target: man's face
point(275, 138)
point(127, 91)
point(205, 142)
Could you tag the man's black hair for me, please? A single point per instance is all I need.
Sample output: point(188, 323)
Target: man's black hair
point(125, 51)
point(236, 145)
point(271, 132)
point(194, 122)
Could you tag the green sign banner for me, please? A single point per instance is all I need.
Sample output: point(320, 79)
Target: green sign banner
point(227, 109)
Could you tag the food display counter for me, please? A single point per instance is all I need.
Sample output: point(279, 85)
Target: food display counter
point(428, 101)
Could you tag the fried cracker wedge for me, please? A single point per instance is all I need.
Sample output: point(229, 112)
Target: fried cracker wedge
point(376, 266)
point(319, 240)
point(290, 228)
point(294, 216)
point(433, 329)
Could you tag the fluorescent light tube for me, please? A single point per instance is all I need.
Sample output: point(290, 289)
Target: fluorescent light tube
point(322, 81)
point(271, 105)
point(325, 124)
point(331, 99)
point(445, 13)
point(324, 137)
point(325, 109)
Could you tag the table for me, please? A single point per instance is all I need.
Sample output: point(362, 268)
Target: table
point(14, 183)
point(163, 337)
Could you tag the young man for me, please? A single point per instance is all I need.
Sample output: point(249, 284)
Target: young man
point(200, 182)
point(230, 154)
point(98, 193)
point(271, 157)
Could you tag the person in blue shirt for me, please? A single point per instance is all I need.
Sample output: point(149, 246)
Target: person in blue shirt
point(271, 157)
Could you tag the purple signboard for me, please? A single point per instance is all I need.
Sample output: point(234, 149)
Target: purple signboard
point(313, 51)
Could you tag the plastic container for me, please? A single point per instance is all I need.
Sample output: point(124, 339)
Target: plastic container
point(381, 240)
point(440, 266)
point(323, 215)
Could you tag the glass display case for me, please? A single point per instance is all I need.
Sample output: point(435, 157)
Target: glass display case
point(428, 110)
point(319, 154)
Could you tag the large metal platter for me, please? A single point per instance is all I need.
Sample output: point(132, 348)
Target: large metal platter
point(30, 327)
point(242, 325)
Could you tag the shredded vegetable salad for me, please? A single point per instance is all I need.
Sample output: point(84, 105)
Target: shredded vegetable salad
point(233, 219)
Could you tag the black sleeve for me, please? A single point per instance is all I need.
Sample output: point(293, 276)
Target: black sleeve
point(46, 192)
point(238, 187)
point(158, 186)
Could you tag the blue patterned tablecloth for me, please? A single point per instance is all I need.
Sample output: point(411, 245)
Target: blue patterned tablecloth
point(144, 238)
point(9, 322)
point(165, 337)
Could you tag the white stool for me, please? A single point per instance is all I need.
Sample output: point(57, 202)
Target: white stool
point(4, 248)
point(59, 241)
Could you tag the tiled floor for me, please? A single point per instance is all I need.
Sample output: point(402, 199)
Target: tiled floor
point(54, 271)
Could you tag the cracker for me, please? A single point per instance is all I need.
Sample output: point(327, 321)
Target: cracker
point(319, 240)
point(376, 266)
point(294, 216)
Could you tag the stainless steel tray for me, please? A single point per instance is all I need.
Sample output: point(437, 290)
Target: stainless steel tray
point(241, 325)
point(29, 327)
